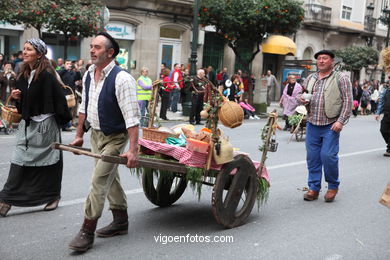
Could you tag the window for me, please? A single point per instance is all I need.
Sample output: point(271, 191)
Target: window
point(346, 13)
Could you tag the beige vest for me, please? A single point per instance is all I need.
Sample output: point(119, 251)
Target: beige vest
point(332, 94)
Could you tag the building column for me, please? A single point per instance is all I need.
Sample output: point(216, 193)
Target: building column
point(260, 91)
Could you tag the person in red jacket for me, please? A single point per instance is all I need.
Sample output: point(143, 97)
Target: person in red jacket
point(165, 94)
point(177, 77)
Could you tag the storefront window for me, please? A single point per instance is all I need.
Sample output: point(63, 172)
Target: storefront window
point(124, 34)
point(55, 47)
point(124, 55)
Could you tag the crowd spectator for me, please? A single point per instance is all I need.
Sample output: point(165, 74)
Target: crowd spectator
point(18, 62)
point(144, 92)
point(197, 97)
point(7, 81)
point(177, 78)
point(289, 99)
point(272, 84)
point(365, 100)
point(249, 111)
point(165, 94)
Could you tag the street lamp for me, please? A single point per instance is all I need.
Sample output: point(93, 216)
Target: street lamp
point(194, 56)
point(194, 45)
point(385, 19)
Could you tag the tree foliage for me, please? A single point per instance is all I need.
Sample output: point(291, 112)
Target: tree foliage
point(75, 18)
point(241, 21)
point(70, 17)
point(357, 57)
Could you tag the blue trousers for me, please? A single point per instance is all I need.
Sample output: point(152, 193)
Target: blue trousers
point(322, 146)
point(175, 97)
point(143, 106)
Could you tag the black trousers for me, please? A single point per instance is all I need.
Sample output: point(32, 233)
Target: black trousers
point(164, 104)
point(196, 107)
point(385, 129)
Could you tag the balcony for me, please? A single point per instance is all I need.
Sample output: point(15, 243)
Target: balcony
point(370, 23)
point(317, 14)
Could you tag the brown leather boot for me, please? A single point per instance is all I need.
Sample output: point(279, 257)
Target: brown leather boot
point(84, 239)
point(4, 208)
point(119, 226)
point(330, 195)
point(311, 195)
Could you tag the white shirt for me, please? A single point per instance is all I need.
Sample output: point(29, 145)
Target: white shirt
point(125, 92)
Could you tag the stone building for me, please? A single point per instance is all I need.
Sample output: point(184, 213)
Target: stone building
point(152, 32)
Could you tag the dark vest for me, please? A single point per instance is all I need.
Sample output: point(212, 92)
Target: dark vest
point(110, 116)
point(386, 105)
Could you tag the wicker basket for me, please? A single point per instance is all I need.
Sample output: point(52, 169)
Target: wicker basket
point(9, 113)
point(70, 99)
point(231, 114)
point(155, 135)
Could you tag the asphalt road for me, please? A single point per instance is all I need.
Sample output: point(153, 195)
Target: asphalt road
point(354, 226)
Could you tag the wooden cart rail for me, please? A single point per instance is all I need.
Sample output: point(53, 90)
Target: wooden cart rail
point(142, 161)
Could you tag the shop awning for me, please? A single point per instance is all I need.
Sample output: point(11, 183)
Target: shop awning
point(277, 44)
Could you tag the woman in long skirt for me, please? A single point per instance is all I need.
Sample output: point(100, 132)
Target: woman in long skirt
point(35, 174)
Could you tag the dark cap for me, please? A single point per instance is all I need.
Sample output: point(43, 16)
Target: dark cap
point(115, 45)
point(327, 52)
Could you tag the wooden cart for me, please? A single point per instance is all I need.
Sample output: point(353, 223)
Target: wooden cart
point(164, 181)
point(235, 185)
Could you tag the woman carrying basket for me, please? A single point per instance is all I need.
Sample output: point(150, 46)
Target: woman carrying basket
point(35, 174)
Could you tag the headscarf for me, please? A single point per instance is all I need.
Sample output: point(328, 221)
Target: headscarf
point(38, 45)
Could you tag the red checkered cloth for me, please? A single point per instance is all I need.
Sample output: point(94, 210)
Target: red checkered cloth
point(188, 157)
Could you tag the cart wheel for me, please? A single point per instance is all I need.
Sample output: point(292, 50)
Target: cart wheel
point(8, 131)
point(299, 134)
point(162, 188)
point(232, 207)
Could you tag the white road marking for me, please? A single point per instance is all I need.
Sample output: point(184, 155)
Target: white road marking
point(69, 202)
point(341, 156)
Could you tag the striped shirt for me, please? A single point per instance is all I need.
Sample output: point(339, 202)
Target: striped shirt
point(316, 114)
point(125, 92)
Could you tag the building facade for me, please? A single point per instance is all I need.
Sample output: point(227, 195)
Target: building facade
point(153, 32)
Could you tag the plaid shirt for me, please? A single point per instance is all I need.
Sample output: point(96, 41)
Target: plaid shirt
point(125, 91)
point(316, 114)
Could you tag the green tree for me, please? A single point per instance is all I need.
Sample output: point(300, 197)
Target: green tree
point(32, 13)
point(239, 22)
point(73, 18)
point(357, 57)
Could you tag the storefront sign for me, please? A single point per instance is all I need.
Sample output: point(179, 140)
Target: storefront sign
point(8, 26)
point(122, 31)
point(298, 73)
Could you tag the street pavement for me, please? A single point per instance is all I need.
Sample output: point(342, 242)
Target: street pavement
point(354, 226)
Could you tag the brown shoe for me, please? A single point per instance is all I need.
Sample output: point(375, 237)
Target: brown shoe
point(311, 195)
point(386, 154)
point(330, 195)
point(51, 205)
point(84, 239)
point(119, 226)
point(4, 208)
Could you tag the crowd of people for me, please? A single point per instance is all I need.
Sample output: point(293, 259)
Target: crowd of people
point(177, 86)
point(176, 89)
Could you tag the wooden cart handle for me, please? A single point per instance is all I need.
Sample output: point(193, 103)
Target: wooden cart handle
point(142, 162)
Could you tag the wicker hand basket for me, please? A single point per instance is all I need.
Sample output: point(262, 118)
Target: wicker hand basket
point(155, 135)
point(70, 99)
point(9, 113)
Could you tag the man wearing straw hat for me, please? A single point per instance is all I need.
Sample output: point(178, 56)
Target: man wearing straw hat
point(109, 105)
